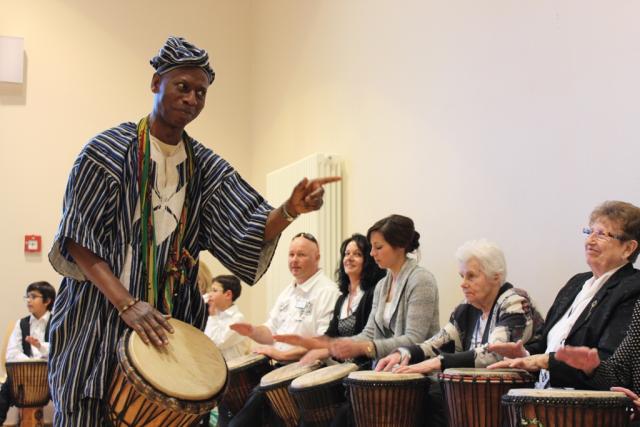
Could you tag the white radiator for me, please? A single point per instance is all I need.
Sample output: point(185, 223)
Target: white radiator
point(325, 224)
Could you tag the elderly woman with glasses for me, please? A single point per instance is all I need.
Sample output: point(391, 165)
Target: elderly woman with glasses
point(493, 312)
point(594, 309)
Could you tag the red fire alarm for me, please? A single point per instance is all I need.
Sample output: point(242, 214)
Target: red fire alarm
point(32, 243)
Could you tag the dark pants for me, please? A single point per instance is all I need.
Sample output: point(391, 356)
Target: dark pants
point(5, 400)
point(256, 412)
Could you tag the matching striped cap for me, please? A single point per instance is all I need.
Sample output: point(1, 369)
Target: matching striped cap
point(177, 52)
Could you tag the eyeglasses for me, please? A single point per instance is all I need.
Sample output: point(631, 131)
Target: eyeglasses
point(307, 236)
point(31, 297)
point(603, 236)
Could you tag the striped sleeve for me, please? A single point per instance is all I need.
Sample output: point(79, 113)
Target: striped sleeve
point(87, 214)
point(233, 224)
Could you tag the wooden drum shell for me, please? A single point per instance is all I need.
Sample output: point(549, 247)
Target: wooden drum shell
point(132, 401)
point(29, 383)
point(387, 403)
point(555, 411)
point(242, 381)
point(473, 399)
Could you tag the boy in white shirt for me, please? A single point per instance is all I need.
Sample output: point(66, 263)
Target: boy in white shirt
point(225, 290)
point(29, 339)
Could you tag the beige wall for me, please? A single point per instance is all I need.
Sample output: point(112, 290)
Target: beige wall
point(88, 69)
point(497, 119)
point(508, 120)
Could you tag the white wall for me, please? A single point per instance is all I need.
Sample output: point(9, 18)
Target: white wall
point(508, 120)
point(87, 69)
point(498, 119)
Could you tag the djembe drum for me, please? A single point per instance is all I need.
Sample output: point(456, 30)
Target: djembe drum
point(560, 408)
point(320, 393)
point(385, 398)
point(245, 373)
point(29, 389)
point(275, 385)
point(174, 385)
point(473, 395)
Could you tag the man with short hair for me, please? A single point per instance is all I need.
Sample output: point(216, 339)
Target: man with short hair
point(141, 202)
point(304, 307)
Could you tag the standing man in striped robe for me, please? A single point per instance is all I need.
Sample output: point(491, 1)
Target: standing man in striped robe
point(142, 200)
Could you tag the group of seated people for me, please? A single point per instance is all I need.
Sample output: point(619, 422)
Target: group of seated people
point(383, 314)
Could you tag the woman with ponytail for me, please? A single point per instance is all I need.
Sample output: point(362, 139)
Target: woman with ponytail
point(405, 301)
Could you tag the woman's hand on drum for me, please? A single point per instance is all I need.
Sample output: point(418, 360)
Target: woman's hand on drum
point(634, 397)
point(530, 363)
point(346, 348)
point(584, 358)
point(151, 325)
point(388, 363)
point(425, 367)
point(34, 342)
point(511, 350)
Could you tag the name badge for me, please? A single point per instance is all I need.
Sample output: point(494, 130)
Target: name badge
point(301, 303)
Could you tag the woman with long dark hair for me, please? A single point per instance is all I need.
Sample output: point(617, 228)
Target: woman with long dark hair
point(357, 276)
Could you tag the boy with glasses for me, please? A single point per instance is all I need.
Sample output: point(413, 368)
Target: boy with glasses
point(29, 339)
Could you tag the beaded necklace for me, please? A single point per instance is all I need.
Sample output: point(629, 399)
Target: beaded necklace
point(179, 260)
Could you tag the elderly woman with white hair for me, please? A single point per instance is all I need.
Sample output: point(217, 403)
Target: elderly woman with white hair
point(493, 311)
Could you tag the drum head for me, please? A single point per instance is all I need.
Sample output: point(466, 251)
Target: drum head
point(383, 376)
point(190, 367)
point(324, 375)
point(485, 373)
point(244, 361)
point(565, 394)
point(287, 372)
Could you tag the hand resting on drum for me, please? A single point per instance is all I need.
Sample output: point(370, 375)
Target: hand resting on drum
point(634, 397)
point(391, 362)
point(587, 360)
point(148, 322)
point(424, 367)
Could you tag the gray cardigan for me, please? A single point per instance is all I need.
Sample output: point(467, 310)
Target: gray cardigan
point(414, 310)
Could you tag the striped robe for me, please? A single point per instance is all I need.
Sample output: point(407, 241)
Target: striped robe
point(226, 216)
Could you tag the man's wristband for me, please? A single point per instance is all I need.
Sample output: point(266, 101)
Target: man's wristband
point(370, 350)
point(127, 306)
point(287, 216)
